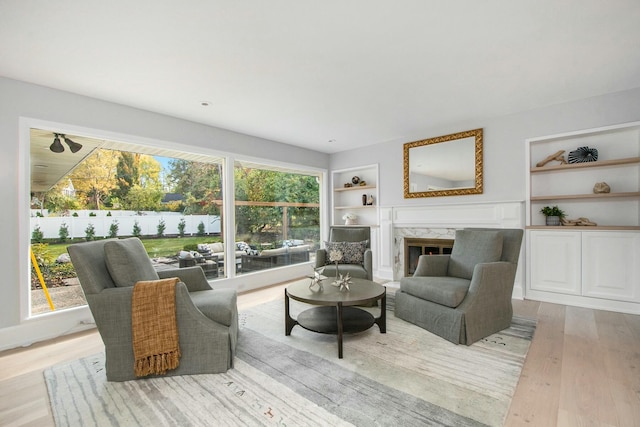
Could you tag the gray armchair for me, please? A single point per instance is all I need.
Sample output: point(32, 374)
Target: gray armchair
point(337, 233)
point(207, 319)
point(465, 296)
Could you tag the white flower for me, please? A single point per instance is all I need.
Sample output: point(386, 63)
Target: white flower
point(335, 255)
point(349, 215)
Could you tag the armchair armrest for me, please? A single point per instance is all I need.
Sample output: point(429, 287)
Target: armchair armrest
point(193, 277)
point(432, 265)
point(321, 257)
point(368, 263)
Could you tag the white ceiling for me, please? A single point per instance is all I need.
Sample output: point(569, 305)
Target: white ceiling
point(353, 72)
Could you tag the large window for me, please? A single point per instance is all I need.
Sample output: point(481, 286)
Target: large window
point(277, 216)
point(173, 200)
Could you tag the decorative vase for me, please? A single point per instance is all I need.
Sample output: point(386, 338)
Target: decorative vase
point(364, 200)
point(349, 221)
point(553, 220)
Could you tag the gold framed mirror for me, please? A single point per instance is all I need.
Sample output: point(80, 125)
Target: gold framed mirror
point(449, 165)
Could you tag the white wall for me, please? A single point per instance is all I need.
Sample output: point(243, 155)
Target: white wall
point(19, 100)
point(504, 146)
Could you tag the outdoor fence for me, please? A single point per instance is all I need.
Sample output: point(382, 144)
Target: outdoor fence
point(147, 222)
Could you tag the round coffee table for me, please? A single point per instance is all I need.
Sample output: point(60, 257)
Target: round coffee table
point(335, 312)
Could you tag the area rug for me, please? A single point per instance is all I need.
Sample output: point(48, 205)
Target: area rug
point(406, 377)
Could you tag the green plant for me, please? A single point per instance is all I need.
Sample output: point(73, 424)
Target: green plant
point(552, 211)
point(200, 229)
point(190, 247)
point(181, 226)
point(113, 229)
point(36, 235)
point(161, 227)
point(137, 231)
point(90, 232)
point(63, 232)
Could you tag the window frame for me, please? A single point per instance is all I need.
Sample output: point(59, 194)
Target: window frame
point(79, 317)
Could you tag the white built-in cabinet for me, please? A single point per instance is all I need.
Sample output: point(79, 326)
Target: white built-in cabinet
point(589, 266)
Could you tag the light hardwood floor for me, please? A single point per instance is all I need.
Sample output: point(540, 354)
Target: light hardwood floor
point(583, 368)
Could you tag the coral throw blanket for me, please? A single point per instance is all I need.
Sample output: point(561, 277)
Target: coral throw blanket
point(154, 326)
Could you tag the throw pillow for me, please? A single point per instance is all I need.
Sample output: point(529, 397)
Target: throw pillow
point(128, 262)
point(472, 247)
point(351, 252)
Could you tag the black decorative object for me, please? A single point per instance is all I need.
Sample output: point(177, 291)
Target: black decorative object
point(582, 155)
point(364, 200)
point(355, 179)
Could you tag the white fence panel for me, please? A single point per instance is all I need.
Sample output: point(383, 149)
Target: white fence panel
point(77, 226)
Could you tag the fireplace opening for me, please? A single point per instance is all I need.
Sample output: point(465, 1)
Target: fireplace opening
point(414, 248)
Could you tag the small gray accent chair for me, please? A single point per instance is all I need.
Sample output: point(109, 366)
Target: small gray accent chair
point(465, 296)
point(207, 318)
point(348, 234)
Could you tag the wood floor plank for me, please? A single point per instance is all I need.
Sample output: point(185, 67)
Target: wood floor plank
point(622, 364)
point(585, 393)
point(541, 372)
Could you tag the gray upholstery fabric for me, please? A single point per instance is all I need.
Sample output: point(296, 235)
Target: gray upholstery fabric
point(472, 247)
point(128, 262)
point(348, 234)
point(207, 336)
point(449, 291)
point(428, 298)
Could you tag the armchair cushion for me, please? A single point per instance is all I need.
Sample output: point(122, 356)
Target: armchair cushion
point(128, 262)
point(473, 247)
point(448, 291)
point(352, 252)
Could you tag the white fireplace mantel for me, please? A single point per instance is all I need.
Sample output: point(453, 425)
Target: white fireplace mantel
point(441, 221)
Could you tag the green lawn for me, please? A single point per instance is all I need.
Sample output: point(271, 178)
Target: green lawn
point(155, 247)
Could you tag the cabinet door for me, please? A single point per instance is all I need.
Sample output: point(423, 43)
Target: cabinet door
point(610, 266)
point(555, 261)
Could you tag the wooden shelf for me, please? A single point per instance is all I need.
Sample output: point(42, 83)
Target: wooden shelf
point(356, 207)
point(632, 194)
point(583, 228)
point(354, 188)
point(599, 163)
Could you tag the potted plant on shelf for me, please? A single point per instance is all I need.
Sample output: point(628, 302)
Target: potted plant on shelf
point(553, 215)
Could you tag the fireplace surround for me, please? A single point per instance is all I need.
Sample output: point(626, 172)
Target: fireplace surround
point(440, 222)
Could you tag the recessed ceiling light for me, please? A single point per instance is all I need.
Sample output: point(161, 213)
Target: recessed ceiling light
point(331, 141)
point(40, 166)
point(205, 103)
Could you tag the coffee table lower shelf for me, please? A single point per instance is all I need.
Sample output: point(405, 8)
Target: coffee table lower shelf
point(325, 320)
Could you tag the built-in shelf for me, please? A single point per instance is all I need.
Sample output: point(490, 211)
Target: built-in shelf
point(586, 196)
point(355, 188)
point(351, 198)
point(592, 266)
point(356, 207)
point(599, 163)
point(584, 227)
